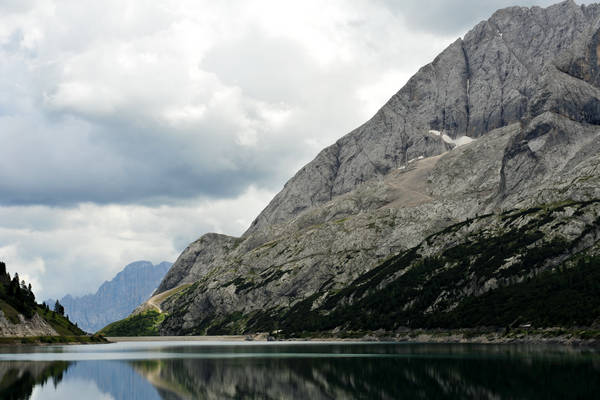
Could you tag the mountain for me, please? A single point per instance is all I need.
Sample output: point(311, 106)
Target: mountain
point(22, 318)
point(476, 185)
point(116, 298)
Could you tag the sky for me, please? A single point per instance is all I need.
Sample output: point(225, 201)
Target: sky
point(129, 129)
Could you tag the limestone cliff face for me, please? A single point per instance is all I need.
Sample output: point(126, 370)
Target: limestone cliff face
point(116, 298)
point(197, 260)
point(524, 84)
point(479, 83)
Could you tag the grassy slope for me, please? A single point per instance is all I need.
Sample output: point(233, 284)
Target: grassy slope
point(563, 298)
point(18, 301)
point(60, 324)
point(568, 298)
point(143, 324)
point(147, 322)
point(9, 312)
point(67, 331)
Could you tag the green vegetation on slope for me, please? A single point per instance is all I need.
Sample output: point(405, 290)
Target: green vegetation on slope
point(16, 293)
point(16, 297)
point(75, 339)
point(570, 297)
point(9, 312)
point(59, 323)
point(148, 321)
point(545, 284)
point(143, 324)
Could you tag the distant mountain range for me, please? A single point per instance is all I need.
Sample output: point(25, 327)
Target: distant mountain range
point(116, 298)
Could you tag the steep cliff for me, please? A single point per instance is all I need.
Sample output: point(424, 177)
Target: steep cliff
point(524, 86)
point(481, 82)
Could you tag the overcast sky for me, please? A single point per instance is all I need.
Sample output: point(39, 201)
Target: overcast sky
point(128, 129)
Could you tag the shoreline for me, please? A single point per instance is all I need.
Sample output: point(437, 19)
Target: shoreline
point(589, 337)
point(219, 338)
point(50, 340)
point(549, 336)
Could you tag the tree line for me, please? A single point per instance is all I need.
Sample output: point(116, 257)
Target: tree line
point(19, 294)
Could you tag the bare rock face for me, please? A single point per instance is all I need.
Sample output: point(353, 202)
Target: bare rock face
point(553, 158)
point(477, 84)
point(524, 85)
point(34, 326)
point(197, 260)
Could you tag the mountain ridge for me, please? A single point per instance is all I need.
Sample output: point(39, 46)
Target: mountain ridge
point(523, 84)
point(462, 109)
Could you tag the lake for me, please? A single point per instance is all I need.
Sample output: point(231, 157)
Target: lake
point(298, 370)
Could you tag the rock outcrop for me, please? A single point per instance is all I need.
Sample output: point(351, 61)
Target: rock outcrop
point(197, 259)
point(523, 84)
point(34, 326)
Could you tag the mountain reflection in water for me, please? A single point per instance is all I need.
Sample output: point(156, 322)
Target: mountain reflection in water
point(306, 371)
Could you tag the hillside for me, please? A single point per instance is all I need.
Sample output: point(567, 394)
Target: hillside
point(21, 317)
point(492, 151)
point(117, 298)
point(538, 266)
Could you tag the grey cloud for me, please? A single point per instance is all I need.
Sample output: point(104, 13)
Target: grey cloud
point(15, 6)
point(267, 68)
point(72, 250)
point(63, 156)
point(77, 162)
point(113, 147)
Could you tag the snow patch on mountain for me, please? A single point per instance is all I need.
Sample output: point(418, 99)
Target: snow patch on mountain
point(459, 141)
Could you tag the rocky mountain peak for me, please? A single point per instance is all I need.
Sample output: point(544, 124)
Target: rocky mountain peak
point(482, 82)
point(504, 122)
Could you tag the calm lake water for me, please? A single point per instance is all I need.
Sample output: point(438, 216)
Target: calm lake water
point(251, 370)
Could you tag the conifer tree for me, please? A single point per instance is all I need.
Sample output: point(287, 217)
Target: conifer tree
point(58, 308)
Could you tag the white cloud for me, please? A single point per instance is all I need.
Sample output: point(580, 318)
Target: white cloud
point(70, 388)
point(130, 129)
point(83, 246)
point(212, 87)
point(30, 268)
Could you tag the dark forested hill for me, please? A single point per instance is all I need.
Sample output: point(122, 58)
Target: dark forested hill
point(21, 316)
